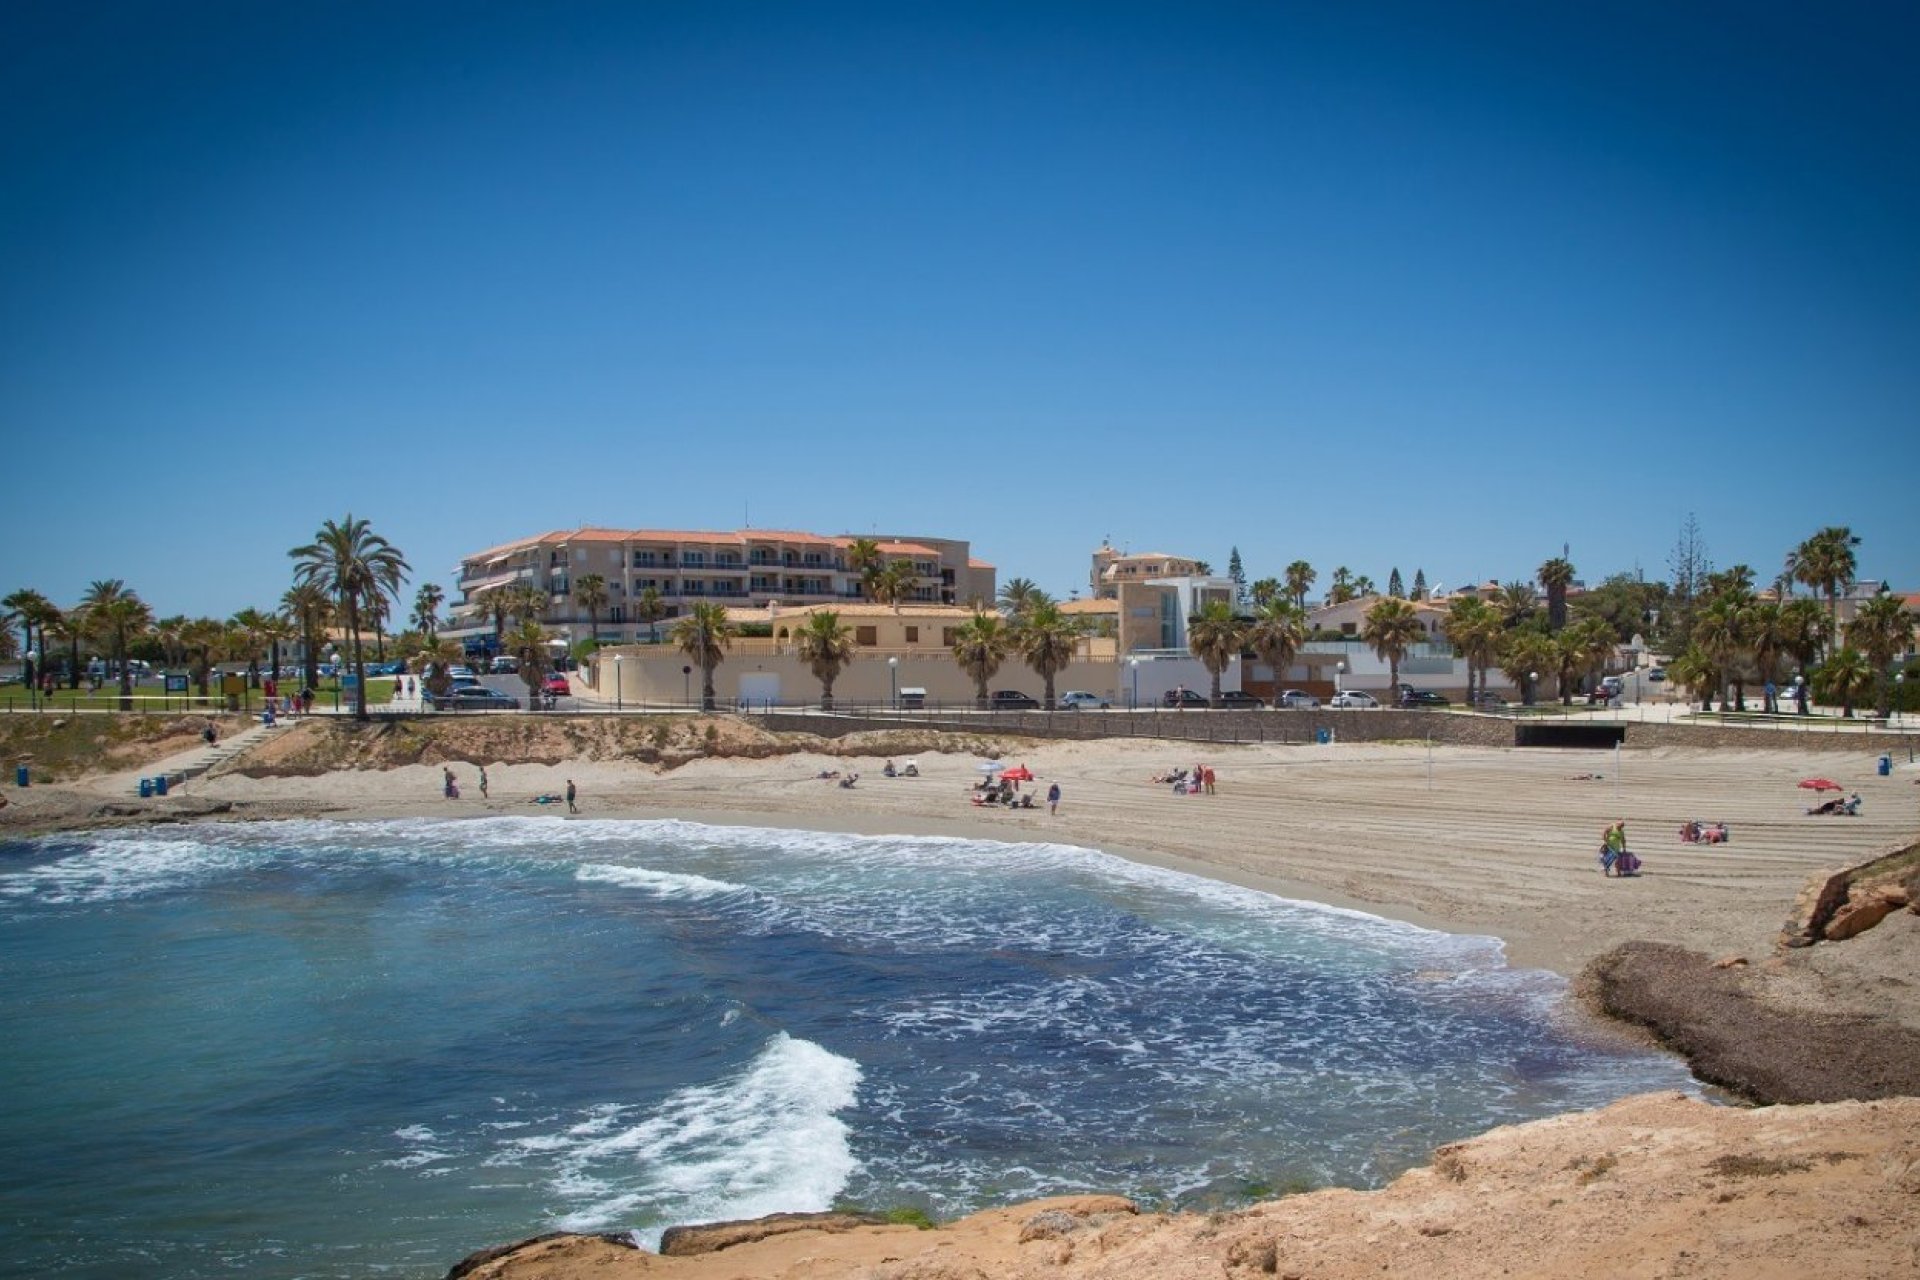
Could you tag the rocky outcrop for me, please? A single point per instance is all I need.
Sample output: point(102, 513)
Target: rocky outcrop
point(1718, 1019)
point(1657, 1185)
point(711, 1237)
point(1853, 899)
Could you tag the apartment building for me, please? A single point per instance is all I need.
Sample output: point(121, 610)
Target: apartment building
point(744, 567)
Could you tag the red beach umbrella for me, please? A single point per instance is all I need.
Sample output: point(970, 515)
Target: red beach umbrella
point(1821, 784)
point(1019, 773)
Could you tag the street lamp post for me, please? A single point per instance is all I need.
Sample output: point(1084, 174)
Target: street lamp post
point(1800, 693)
point(1893, 715)
point(1134, 665)
point(893, 682)
point(619, 693)
point(1339, 671)
point(33, 675)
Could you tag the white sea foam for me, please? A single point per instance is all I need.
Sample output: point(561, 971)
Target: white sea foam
point(767, 1140)
point(663, 884)
point(126, 865)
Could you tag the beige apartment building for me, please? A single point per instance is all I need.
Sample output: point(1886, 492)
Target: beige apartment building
point(743, 567)
point(901, 657)
point(1113, 569)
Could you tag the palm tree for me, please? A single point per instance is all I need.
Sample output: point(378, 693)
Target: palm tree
point(524, 602)
point(1047, 640)
point(527, 642)
point(650, 608)
point(863, 557)
point(1849, 676)
point(426, 610)
point(496, 601)
point(356, 566)
point(1391, 628)
point(1018, 596)
point(250, 625)
point(1264, 590)
point(276, 631)
point(1766, 642)
point(980, 644)
point(1279, 630)
point(1696, 670)
point(169, 632)
point(1363, 587)
point(1300, 578)
point(1720, 633)
point(115, 611)
point(894, 582)
point(704, 635)
point(1474, 630)
point(1584, 649)
point(68, 626)
point(1516, 602)
point(1806, 628)
point(1523, 654)
point(202, 637)
point(29, 609)
point(310, 608)
point(1215, 637)
point(1882, 630)
point(1341, 590)
point(377, 611)
point(436, 661)
point(1826, 562)
point(590, 589)
point(825, 644)
point(1556, 575)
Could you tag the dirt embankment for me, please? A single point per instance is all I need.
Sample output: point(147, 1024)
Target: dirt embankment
point(65, 748)
point(321, 746)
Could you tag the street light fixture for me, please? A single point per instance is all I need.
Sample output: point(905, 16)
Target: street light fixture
point(1134, 664)
point(893, 681)
point(1339, 671)
point(619, 693)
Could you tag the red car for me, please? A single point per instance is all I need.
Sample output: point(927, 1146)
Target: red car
point(557, 686)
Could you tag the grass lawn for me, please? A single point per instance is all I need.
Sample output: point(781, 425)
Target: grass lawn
point(153, 697)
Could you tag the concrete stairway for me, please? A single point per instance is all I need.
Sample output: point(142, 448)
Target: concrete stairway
point(192, 764)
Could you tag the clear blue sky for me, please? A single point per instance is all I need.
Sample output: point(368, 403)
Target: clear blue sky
point(1434, 286)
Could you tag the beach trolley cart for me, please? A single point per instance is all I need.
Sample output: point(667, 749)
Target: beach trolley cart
point(913, 699)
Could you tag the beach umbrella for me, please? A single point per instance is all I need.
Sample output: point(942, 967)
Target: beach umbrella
point(1821, 784)
point(989, 766)
point(1019, 773)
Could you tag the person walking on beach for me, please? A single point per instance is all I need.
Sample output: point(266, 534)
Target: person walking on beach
point(571, 794)
point(448, 787)
point(483, 782)
point(1053, 798)
point(1613, 848)
point(1207, 773)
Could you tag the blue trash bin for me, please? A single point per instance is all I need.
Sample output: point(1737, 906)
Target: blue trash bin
point(1323, 736)
point(146, 787)
point(20, 776)
point(1886, 765)
point(160, 785)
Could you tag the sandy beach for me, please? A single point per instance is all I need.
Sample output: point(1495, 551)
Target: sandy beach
point(1486, 841)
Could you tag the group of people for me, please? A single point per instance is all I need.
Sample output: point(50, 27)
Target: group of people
point(909, 770)
point(450, 788)
point(1692, 832)
point(1615, 858)
point(1848, 808)
point(1189, 782)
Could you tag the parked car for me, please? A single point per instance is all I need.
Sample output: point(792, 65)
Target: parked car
point(1184, 699)
point(1423, 698)
point(1297, 700)
point(1238, 698)
point(1080, 699)
point(1354, 698)
point(1656, 675)
point(1012, 700)
point(557, 686)
point(504, 666)
point(1488, 699)
point(460, 671)
point(469, 697)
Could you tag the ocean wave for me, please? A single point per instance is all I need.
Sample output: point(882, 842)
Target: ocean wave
point(767, 1140)
point(664, 884)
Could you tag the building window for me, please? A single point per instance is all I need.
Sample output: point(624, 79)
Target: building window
point(868, 636)
point(813, 560)
point(617, 614)
point(694, 559)
point(1348, 628)
point(947, 637)
point(913, 635)
point(644, 558)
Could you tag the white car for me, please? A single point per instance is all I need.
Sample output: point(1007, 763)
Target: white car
point(1298, 699)
point(1354, 698)
point(1080, 699)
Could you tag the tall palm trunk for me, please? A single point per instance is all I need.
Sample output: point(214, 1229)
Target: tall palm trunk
point(352, 603)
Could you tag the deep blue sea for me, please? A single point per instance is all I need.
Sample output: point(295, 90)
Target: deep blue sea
point(365, 1049)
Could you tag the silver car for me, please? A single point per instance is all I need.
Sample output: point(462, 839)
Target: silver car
point(1354, 698)
point(1297, 699)
point(1081, 700)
